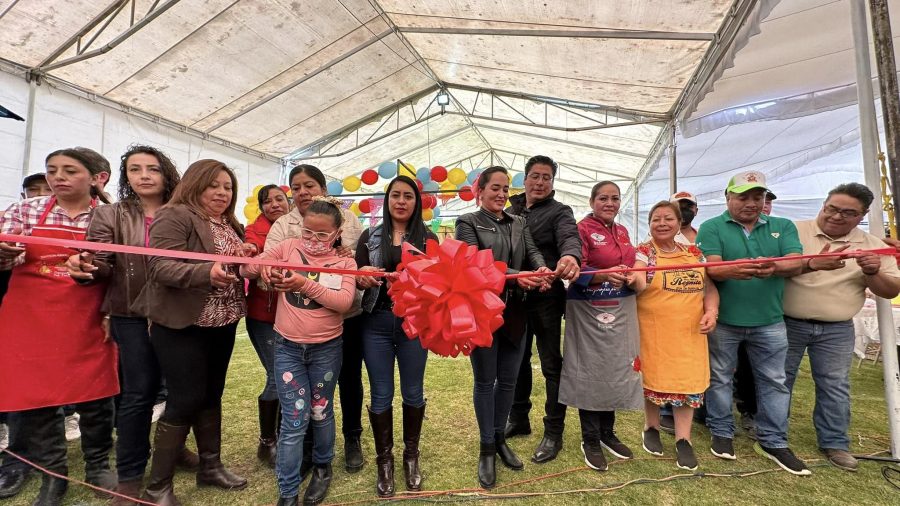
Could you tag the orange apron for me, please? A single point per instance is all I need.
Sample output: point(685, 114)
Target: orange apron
point(53, 352)
point(674, 354)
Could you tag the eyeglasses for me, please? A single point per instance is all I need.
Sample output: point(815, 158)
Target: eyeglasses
point(320, 236)
point(830, 210)
point(534, 176)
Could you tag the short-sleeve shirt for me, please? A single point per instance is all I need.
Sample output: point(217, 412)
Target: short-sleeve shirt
point(604, 246)
point(837, 295)
point(753, 302)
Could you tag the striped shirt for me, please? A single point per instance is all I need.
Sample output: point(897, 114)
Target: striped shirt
point(21, 218)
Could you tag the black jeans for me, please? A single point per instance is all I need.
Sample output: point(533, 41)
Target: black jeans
point(42, 432)
point(350, 381)
point(194, 361)
point(17, 445)
point(139, 377)
point(744, 384)
point(545, 325)
point(495, 370)
point(595, 423)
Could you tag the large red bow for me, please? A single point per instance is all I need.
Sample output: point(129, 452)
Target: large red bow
point(449, 297)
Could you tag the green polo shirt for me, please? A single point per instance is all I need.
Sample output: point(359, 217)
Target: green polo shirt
point(752, 302)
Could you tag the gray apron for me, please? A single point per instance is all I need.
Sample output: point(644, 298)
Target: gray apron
point(602, 341)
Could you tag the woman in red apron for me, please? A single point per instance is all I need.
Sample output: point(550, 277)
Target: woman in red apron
point(54, 347)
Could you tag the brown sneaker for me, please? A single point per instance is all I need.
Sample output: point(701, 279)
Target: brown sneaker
point(840, 459)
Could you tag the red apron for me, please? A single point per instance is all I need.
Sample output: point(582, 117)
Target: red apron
point(51, 343)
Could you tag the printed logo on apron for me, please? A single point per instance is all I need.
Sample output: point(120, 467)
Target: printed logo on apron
point(687, 281)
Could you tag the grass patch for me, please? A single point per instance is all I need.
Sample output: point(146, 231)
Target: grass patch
point(450, 450)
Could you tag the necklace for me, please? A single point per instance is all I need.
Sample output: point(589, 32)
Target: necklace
point(673, 250)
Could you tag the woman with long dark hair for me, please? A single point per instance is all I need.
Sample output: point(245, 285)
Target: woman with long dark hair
point(147, 179)
point(194, 308)
point(496, 368)
point(54, 347)
point(384, 341)
point(261, 302)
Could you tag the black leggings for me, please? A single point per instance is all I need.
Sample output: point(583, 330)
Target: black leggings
point(194, 361)
point(595, 423)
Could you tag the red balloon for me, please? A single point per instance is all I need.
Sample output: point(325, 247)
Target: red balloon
point(438, 174)
point(369, 177)
point(428, 201)
point(365, 206)
point(466, 194)
point(420, 185)
point(285, 188)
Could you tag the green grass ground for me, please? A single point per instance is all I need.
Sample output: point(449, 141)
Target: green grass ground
point(450, 449)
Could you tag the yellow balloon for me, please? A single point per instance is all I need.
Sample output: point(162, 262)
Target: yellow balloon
point(386, 187)
point(354, 208)
point(456, 176)
point(447, 185)
point(508, 203)
point(251, 199)
point(255, 191)
point(352, 183)
point(251, 212)
point(427, 214)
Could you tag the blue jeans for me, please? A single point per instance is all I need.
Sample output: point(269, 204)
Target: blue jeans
point(307, 375)
point(830, 347)
point(767, 348)
point(263, 336)
point(383, 342)
point(140, 379)
point(495, 370)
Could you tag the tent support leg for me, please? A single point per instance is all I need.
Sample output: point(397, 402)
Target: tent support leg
point(869, 135)
point(673, 166)
point(29, 126)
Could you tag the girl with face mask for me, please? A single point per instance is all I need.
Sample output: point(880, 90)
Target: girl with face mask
point(308, 346)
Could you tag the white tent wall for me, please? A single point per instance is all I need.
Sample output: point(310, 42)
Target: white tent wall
point(61, 120)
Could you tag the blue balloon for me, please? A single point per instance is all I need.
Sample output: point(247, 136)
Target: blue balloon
point(436, 212)
point(474, 175)
point(387, 170)
point(431, 186)
point(335, 187)
point(423, 174)
point(519, 180)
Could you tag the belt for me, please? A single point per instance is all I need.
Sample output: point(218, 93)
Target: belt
point(814, 322)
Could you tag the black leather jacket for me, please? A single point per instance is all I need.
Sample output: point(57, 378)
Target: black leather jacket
point(482, 229)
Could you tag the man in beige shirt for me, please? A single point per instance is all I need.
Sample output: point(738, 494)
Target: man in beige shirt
point(819, 305)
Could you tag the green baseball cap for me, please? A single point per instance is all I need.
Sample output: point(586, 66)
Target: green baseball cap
point(745, 181)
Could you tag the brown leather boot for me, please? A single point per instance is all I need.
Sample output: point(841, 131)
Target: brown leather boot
point(383, 431)
point(167, 445)
point(412, 429)
point(130, 488)
point(208, 432)
point(188, 460)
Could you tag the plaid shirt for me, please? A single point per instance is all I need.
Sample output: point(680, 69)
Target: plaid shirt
point(25, 215)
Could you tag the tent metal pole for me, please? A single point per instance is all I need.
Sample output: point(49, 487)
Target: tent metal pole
point(673, 165)
point(29, 126)
point(869, 136)
point(634, 219)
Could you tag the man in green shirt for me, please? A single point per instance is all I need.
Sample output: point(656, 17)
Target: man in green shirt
point(750, 311)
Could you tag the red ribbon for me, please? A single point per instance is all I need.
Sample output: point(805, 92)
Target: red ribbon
point(449, 297)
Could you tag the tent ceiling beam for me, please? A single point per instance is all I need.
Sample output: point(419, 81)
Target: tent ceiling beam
point(41, 69)
point(620, 112)
point(8, 8)
point(617, 177)
point(302, 80)
point(580, 34)
point(565, 141)
point(316, 146)
point(109, 13)
point(600, 126)
point(457, 163)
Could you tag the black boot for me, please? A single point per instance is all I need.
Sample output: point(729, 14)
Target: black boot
point(12, 480)
point(96, 424)
point(318, 484)
point(208, 432)
point(268, 414)
point(412, 430)
point(353, 456)
point(52, 491)
point(507, 456)
point(167, 446)
point(287, 501)
point(487, 465)
point(383, 431)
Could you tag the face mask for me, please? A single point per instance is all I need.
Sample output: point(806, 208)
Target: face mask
point(315, 248)
point(687, 216)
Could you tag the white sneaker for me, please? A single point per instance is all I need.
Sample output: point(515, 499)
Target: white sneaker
point(73, 431)
point(158, 411)
point(4, 436)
